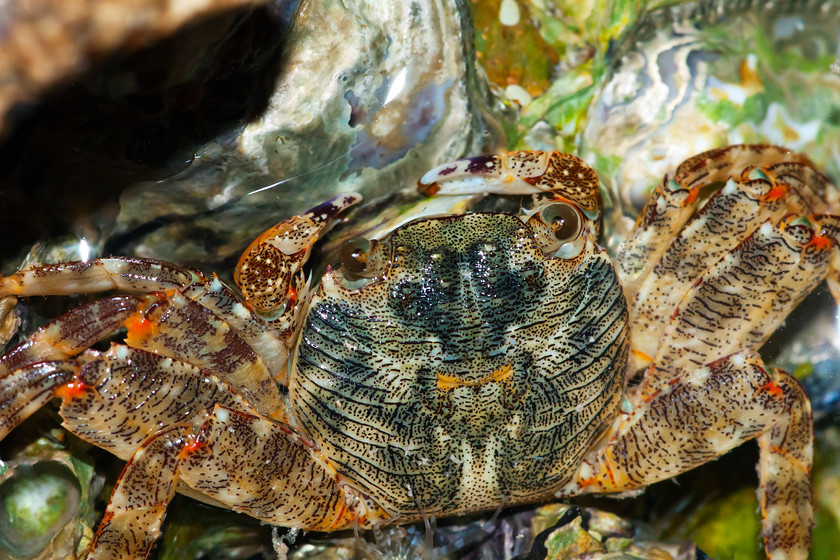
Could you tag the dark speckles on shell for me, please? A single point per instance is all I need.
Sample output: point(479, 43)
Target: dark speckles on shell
point(477, 373)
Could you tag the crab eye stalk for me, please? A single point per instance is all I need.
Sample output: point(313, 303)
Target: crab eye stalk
point(557, 228)
point(563, 220)
point(355, 257)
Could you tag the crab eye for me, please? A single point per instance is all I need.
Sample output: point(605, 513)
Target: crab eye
point(562, 219)
point(354, 255)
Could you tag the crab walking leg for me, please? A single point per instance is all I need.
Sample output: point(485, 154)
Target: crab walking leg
point(30, 388)
point(168, 324)
point(830, 226)
point(518, 173)
point(733, 213)
point(242, 461)
point(272, 345)
point(138, 504)
point(268, 471)
point(793, 181)
point(114, 400)
point(72, 333)
point(140, 275)
point(132, 275)
point(738, 302)
point(704, 414)
point(268, 273)
point(175, 326)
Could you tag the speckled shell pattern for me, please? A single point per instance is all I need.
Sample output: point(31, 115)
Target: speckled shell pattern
point(476, 373)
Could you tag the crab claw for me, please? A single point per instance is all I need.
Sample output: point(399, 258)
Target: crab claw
point(562, 175)
point(507, 173)
point(269, 271)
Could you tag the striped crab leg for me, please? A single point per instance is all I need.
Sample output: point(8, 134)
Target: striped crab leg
point(673, 246)
point(270, 276)
point(175, 422)
point(739, 301)
point(728, 402)
point(759, 182)
point(240, 461)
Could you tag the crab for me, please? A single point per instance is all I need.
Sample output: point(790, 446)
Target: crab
point(458, 363)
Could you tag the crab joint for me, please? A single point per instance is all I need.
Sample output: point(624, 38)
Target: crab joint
point(139, 327)
point(72, 390)
point(775, 193)
point(692, 195)
point(819, 242)
point(641, 355)
point(771, 388)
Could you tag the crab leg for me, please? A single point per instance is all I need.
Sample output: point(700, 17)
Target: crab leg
point(133, 403)
point(239, 460)
point(268, 273)
point(791, 177)
point(30, 388)
point(266, 470)
point(291, 240)
point(72, 333)
point(175, 326)
point(188, 316)
point(133, 518)
point(132, 275)
point(733, 212)
point(116, 399)
point(774, 269)
point(666, 255)
point(168, 324)
point(704, 414)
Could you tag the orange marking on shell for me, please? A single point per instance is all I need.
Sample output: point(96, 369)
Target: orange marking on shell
point(193, 446)
point(72, 390)
point(804, 467)
point(560, 198)
point(428, 189)
point(264, 237)
point(501, 375)
point(341, 511)
point(292, 296)
point(653, 395)
point(605, 473)
point(609, 470)
point(584, 482)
